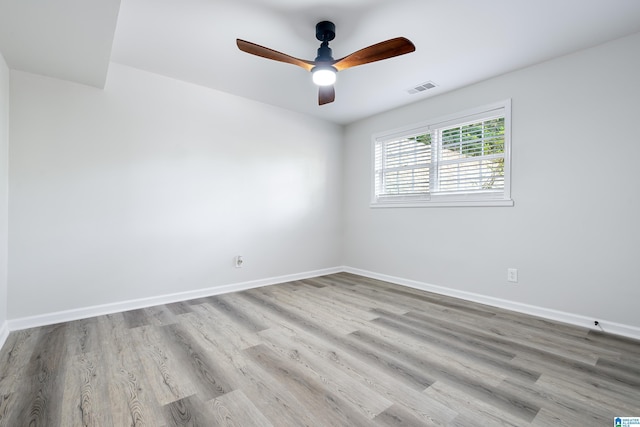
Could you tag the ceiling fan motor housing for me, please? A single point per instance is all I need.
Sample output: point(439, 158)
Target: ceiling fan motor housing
point(324, 53)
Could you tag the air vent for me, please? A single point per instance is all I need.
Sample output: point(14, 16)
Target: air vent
point(421, 88)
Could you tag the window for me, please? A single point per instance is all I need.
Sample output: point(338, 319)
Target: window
point(460, 160)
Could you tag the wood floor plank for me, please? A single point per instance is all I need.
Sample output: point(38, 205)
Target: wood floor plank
point(479, 386)
point(237, 334)
point(447, 343)
point(178, 308)
point(352, 297)
point(307, 308)
point(276, 403)
point(474, 411)
point(626, 346)
point(335, 307)
point(367, 375)
point(189, 412)
point(398, 415)
point(236, 315)
point(132, 402)
point(136, 318)
point(391, 387)
point(434, 350)
point(411, 375)
point(574, 411)
point(6, 406)
point(563, 418)
point(368, 402)
point(199, 367)
point(82, 336)
point(416, 295)
point(507, 332)
point(262, 316)
point(236, 409)
point(280, 405)
point(621, 368)
point(335, 350)
point(85, 392)
point(164, 374)
point(161, 315)
point(584, 377)
point(607, 401)
point(42, 381)
point(317, 400)
point(523, 349)
point(14, 358)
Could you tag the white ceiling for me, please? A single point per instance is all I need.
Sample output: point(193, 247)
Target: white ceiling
point(458, 42)
point(66, 39)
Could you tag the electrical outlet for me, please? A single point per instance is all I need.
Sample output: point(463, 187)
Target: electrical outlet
point(238, 261)
point(512, 275)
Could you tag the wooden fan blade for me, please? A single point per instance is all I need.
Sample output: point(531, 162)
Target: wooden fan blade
point(265, 52)
point(326, 94)
point(377, 52)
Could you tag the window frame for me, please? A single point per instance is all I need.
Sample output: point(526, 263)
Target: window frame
point(502, 198)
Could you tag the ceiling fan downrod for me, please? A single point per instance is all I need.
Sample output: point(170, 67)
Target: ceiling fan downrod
point(325, 32)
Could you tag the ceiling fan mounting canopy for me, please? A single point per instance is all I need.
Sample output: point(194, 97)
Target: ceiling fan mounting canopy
point(324, 67)
point(325, 31)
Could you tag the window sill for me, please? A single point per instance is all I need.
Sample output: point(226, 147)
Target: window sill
point(443, 204)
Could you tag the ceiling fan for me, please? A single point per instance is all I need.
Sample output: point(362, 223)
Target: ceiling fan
point(324, 67)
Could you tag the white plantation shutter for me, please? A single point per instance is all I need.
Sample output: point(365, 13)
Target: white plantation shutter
point(462, 158)
point(402, 168)
point(471, 157)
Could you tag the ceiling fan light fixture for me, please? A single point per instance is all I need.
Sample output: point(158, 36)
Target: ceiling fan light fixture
point(324, 75)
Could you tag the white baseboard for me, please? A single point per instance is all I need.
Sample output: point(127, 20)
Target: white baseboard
point(560, 316)
point(99, 310)
point(83, 313)
point(4, 333)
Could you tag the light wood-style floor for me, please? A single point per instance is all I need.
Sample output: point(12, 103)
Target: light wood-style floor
point(338, 350)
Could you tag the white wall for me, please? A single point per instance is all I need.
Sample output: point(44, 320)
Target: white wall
point(4, 189)
point(574, 230)
point(152, 186)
